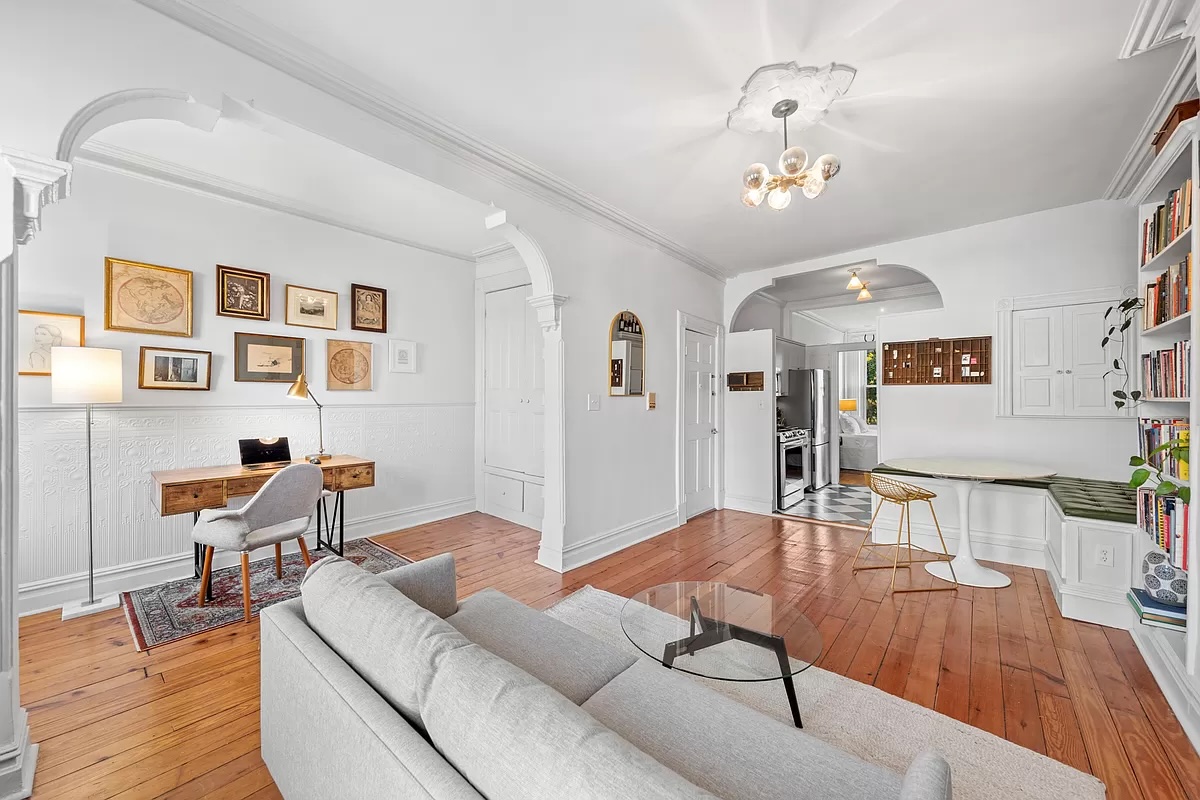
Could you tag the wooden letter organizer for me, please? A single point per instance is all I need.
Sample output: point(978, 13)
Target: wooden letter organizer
point(936, 362)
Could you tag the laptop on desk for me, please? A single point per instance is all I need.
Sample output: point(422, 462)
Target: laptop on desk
point(265, 453)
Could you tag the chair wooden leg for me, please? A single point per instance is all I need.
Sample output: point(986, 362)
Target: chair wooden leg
point(246, 584)
point(304, 551)
point(279, 560)
point(206, 575)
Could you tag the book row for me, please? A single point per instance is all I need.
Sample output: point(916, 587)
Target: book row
point(1166, 373)
point(1169, 296)
point(1167, 222)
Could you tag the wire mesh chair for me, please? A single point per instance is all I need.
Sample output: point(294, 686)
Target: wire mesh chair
point(902, 494)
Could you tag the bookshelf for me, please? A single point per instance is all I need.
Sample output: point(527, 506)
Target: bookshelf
point(1162, 270)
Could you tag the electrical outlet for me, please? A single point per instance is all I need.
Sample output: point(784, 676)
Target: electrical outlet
point(1104, 555)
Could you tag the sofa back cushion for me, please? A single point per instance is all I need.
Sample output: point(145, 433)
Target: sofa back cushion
point(515, 738)
point(390, 641)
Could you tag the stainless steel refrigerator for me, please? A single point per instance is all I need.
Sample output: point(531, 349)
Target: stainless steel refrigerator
point(807, 406)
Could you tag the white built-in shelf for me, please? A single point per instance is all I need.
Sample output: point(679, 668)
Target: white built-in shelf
point(1180, 323)
point(1166, 399)
point(1170, 255)
point(1170, 168)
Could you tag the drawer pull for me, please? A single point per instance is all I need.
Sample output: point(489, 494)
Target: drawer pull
point(195, 495)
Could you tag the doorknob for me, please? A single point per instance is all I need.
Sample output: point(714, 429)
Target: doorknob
point(1058, 372)
point(1068, 372)
point(714, 430)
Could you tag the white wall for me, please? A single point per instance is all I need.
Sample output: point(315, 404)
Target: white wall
point(750, 444)
point(808, 330)
point(759, 313)
point(106, 46)
point(419, 427)
point(1078, 247)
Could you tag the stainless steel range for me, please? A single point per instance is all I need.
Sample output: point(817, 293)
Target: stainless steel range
point(795, 460)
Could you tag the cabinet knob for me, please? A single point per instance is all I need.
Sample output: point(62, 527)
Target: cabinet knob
point(1058, 372)
point(1068, 372)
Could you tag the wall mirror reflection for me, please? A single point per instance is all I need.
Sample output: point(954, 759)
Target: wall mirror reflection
point(626, 356)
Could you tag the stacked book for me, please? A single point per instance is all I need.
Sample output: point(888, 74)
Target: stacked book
point(1169, 296)
point(1166, 521)
point(1155, 432)
point(1167, 222)
point(1152, 612)
point(1167, 373)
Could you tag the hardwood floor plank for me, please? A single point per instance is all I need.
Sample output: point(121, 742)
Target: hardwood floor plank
point(1100, 737)
point(1064, 742)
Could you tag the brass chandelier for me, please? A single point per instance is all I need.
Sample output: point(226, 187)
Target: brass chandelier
point(794, 170)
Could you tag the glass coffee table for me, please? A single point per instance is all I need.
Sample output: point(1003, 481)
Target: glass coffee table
point(722, 632)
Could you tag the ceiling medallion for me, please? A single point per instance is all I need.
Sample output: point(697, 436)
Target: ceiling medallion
point(779, 91)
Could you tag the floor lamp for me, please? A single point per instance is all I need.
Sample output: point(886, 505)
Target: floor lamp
point(86, 375)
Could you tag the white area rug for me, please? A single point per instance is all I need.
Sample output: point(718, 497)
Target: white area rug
point(866, 721)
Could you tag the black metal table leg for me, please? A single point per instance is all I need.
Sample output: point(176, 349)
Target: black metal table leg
point(326, 523)
point(340, 510)
point(320, 506)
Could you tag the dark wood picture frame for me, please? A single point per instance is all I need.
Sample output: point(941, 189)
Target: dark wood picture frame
point(356, 290)
point(143, 384)
point(242, 370)
point(225, 308)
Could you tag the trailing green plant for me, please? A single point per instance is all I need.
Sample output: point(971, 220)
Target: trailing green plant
point(1147, 471)
point(1127, 311)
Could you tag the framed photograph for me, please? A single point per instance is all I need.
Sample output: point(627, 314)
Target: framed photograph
point(171, 368)
point(402, 356)
point(37, 332)
point(311, 308)
point(368, 308)
point(145, 298)
point(348, 365)
point(265, 358)
point(243, 293)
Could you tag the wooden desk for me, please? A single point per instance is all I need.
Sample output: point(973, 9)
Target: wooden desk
point(178, 491)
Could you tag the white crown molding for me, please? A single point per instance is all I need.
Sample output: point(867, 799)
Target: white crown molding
point(258, 39)
point(761, 294)
point(144, 167)
point(818, 319)
point(1180, 86)
point(1156, 23)
point(495, 252)
point(39, 181)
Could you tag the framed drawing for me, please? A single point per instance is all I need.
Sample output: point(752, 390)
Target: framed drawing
point(311, 308)
point(172, 368)
point(145, 298)
point(243, 293)
point(264, 358)
point(37, 332)
point(348, 365)
point(368, 308)
point(402, 356)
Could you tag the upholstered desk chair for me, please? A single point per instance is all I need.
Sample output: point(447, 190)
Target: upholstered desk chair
point(279, 511)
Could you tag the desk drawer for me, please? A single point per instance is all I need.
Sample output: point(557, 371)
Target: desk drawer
point(240, 487)
point(193, 497)
point(355, 477)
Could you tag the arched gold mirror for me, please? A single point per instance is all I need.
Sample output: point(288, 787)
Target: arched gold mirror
point(626, 356)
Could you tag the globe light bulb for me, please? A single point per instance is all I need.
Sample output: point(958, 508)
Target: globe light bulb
point(793, 161)
point(855, 284)
point(827, 166)
point(756, 176)
point(864, 294)
point(813, 187)
point(752, 197)
point(779, 199)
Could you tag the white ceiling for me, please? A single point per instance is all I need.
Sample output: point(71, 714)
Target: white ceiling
point(295, 169)
point(961, 112)
point(865, 316)
point(815, 288)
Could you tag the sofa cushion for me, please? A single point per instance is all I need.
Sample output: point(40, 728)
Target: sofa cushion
point(429, 583)
point(555, 653)
point(927, 778)
point(515, 738)
point(1092, 499)
point(728, 748)
point(393, 643)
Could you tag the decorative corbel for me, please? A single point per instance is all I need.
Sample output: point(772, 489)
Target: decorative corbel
point(37, 182)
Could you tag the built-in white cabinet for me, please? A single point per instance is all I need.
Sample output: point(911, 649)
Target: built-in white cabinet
point(1058, 365)
point(789, 355)
point(513, 399)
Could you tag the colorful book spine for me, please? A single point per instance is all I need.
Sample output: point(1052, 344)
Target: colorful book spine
point(1167, 373)
point(1166, 521)
point(1168, 222)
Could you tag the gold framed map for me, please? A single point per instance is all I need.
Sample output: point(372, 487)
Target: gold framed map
point(146, 298)
point(348, 365)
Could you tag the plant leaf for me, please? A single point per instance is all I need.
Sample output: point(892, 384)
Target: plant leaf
point(1104, 342)
point(1135, 395)
point(1137, 461)
point(1126, 324)
point(1116, 363)
point(1185, 494)
point(1164, 488)
point(1138, 477)
point(1119, 403)
point(1120, 393)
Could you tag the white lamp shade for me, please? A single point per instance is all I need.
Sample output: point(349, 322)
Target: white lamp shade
point(85, 375)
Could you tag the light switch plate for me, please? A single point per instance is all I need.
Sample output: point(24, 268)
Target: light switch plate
point(593, 402)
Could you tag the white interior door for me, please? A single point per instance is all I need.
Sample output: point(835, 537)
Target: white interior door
point(505, 381)
point(699, 424)
point(1037, 362)
point(1086, 392)
point(534, 394)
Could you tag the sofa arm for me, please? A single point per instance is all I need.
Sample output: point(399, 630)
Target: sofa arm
point(927, 778)
point(429, 583)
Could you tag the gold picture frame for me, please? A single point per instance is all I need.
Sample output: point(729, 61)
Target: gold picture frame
point(37, 332)
point(243, 293)
point(174, 369)
point(147, 298)
point(307, 307)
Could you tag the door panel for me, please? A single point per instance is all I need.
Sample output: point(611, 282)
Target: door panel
point(700, 409)
point(534, 393)
point(1037, 362)
point(504, 378)
point(1087, 392)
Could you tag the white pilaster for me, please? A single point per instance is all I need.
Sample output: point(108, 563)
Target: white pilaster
point(554, 519)
point(35, 183)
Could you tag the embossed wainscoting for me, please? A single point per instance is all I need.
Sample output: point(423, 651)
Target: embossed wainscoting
point(423, 453)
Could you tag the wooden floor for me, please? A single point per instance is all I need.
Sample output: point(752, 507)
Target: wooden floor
point(182, 720)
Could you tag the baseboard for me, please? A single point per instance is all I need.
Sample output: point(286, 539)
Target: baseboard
point(751, 505)
point(580, 553)
point(1162, 655)
point(515, 517)
point(44, 595)
point(986, 546)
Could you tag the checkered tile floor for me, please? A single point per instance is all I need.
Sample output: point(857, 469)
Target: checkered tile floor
point(848, 504)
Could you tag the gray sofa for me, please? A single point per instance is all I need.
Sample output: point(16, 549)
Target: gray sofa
point(384, 686)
